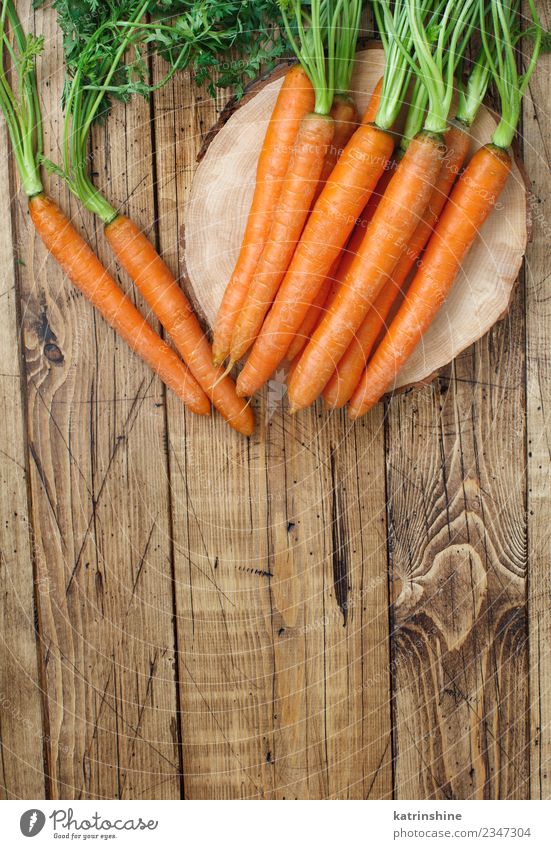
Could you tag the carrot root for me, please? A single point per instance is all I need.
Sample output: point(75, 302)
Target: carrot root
point(86, 272)
point(470, 204)
point(392, 225)
point(344, 196)
point(347, 375)
point(295, 100)
point(313, 140)
point(167, 300)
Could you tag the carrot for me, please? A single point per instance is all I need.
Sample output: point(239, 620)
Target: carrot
point(358, 233)
point(345, 119)
point(156, 282)
point(392, 225)
point(404, 202)
point(344, 110)
point(319, 26)
point(470, 203)
point(294, 101)
point(349, 369)
point(370, 113)
point(85, 271)
point(293, 364)
point(347, 375)
point(20, 105)
point(329, 287)
point(344, 113)
point(132, 248)
point(301, 180)
point(311, 319)
point(332, 219)
point(348, 372)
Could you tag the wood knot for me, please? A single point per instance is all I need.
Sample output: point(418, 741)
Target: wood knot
point(451, 593)
point(53, 353)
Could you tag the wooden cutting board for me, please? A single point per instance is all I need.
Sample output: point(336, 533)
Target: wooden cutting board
point(221, 195)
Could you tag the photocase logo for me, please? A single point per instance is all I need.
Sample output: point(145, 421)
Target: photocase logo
point(32, 822)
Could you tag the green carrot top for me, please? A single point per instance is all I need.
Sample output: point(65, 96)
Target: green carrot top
point(440, 41)
point(323, 35)
point(501, 33)
point(395, 33)
point(19, 102)
point(106, 48)
point(425, 38)
point(471, 92)
point(346, 40)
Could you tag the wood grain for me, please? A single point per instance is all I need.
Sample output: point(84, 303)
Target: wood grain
point(100, 502)
point(537, 152)
point(457, 524)
point(221, 196)
point(21, 727)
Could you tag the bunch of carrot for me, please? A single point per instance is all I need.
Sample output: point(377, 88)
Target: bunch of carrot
point(386, 224)
point(98, 71)
point(342, 210)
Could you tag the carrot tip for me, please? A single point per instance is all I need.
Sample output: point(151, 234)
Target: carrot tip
point(293, 409)
point(242, 391)
point(222, 376)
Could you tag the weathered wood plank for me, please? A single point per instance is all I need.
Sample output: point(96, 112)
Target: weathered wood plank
point(537, 154)
point(21, 730)
point(355, 645)
point(456, 482)
point(278, 699)
point(100, 500)
point(220, 564)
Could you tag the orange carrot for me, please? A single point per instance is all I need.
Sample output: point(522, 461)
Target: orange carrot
point(85, 271)
point(353, 245)
point(470, 203)
point(348, 372)
point(364, 159)
point(294, 363)
point(349, 369)
point(344, 113)
point(333, 282)
point(165, 297)
point(345, 194)
point(391, 227)
point(295, 100)
point(329, 287)
point(313, 140)
point(373, 106)
point(312, 317)
point(313, 155)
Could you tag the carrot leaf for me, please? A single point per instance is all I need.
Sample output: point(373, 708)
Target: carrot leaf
point(501, 32)
point(19, 101)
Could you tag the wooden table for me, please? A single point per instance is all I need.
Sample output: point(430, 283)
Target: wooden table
point(324, 611)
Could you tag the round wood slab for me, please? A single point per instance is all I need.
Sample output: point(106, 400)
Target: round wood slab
point(221, 196)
